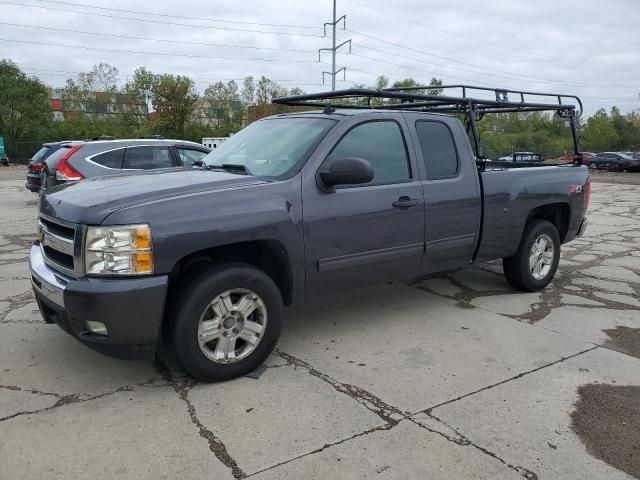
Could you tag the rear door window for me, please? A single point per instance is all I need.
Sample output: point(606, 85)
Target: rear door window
point(438, 150)
point(147, 158)
point(111, 159)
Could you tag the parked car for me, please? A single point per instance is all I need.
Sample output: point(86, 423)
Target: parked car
point(79, 160)
point(4, 160)
point(634, 164)
point(35, 164)
point(611, 161)
point(209, 257)
point(586, 156)
point(522, 157)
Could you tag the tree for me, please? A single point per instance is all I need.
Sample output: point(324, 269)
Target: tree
point(435, 82)
point(101, 78)
point(24, 105)
point(141, 86)
point(600, 134)
point(248, 93)
point(381, 82)
point(174, 98)
point(80, 95)
point(223, 103)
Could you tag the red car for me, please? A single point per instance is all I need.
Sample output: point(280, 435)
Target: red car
point(586, 156)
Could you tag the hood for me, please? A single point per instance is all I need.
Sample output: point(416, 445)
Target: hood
point(90, 201)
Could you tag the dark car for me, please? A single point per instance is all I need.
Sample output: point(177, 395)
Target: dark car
point(634, 164)
point(294, 206)
point(35, 164)
point(611, 161)
point(79, 160)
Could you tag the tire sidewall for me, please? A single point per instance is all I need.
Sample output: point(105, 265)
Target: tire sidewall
point(538, 228)
point(192, 304)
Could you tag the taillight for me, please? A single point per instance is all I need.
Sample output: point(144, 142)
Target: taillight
point(587, 193)
point(36, 167)
point(64, 171)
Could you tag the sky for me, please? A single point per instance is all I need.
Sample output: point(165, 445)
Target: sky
point(587, 48)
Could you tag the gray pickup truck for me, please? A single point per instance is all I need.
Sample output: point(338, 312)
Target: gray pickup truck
point(293, 206)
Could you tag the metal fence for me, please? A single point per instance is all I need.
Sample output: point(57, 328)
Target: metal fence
point(21, 152)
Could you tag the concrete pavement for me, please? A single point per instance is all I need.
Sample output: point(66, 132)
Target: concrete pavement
point(455, 377)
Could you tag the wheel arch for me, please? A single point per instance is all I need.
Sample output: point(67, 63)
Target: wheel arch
point(558, 214)
point(268, 255)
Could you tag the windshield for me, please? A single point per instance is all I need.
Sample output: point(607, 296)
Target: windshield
point(274, 147)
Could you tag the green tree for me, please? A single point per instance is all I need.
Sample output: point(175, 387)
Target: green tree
point(600, 134)
point(222, 101)
point(141, 86)
point(25, 107)
point(101, 78)
point(79, 95)
point(174, 99)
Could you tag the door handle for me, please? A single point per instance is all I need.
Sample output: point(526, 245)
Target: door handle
point(405, 202)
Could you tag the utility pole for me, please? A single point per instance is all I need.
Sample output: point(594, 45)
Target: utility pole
point(334, 47)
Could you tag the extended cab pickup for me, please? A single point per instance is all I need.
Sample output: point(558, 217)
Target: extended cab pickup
point(293, 206)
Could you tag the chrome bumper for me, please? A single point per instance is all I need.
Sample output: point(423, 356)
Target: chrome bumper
point(49, 283)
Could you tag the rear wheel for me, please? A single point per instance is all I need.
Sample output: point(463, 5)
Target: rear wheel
point(535, 263)
point(226, 322)
point(593, 165)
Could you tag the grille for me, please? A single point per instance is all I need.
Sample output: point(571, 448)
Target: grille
point(58, 240)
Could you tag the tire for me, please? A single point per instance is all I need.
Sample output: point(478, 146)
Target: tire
point(518, 268)
point(195, 305)
point(593, 166)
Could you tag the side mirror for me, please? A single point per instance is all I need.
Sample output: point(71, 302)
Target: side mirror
point(197, 164)
point(344, 171)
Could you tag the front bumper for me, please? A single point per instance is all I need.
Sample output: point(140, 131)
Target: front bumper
point(131, 309)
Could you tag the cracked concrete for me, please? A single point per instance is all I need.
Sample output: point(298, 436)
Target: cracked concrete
point(458, 376)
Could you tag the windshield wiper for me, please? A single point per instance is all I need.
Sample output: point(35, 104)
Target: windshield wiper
point(236, 168)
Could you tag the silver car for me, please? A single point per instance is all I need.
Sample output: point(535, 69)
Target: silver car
point(76, 161)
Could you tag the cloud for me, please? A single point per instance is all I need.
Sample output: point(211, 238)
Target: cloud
point(580, 47)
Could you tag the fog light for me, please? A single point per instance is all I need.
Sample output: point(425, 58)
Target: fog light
point(98, 328)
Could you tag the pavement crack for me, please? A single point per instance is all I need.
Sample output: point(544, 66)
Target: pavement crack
point(393, 415)
point(217, 447)
point(388, 413)
point(325, 446)
point(510, 379)
point(63, 400)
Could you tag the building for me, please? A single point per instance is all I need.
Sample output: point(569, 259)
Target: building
point(213, 142)
point(99, 104)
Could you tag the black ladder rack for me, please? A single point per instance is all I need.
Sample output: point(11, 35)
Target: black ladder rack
point(474, 108)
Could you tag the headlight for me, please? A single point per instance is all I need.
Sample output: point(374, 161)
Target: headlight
point(119, 250)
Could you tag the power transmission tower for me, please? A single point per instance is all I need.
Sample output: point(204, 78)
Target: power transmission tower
point(334, 47)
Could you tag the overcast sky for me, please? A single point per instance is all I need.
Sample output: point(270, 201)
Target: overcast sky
point(584, 47)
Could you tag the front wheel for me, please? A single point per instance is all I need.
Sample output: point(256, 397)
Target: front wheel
point(226, 322)
point(535, 263)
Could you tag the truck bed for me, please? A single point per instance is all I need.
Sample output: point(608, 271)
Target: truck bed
point(511, 194)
